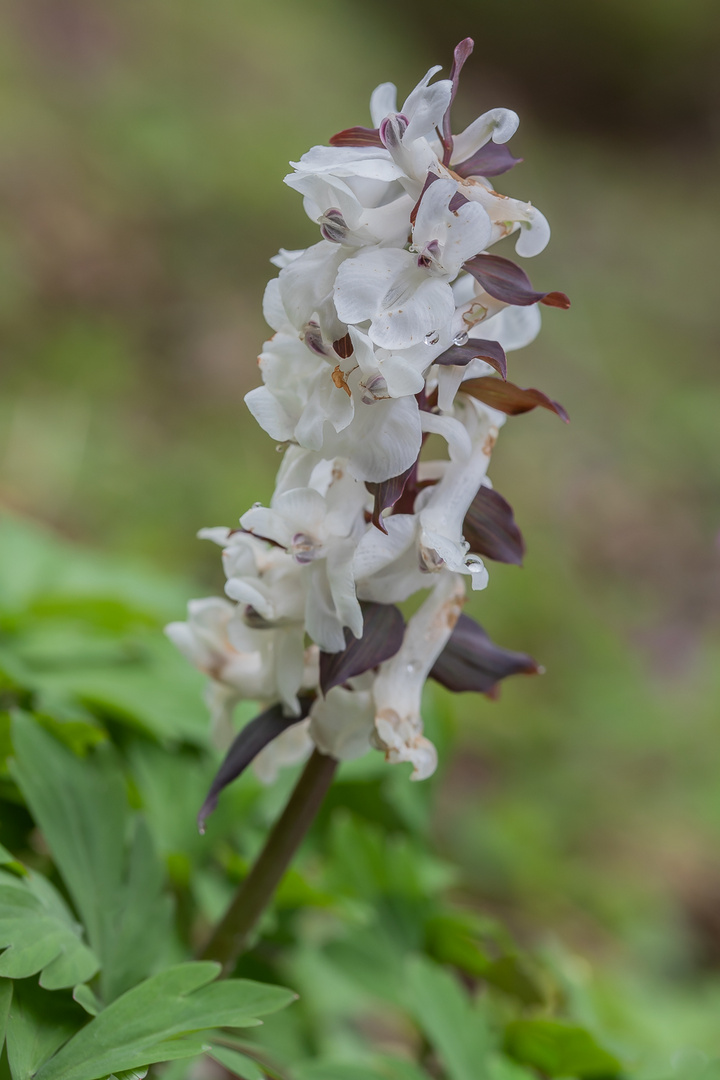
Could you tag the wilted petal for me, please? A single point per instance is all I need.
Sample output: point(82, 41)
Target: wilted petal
point(507, 282)
point(508, 398)
point(250, 741)
point(491, 352)
point(492, 159)
point(472, 662)
point(490, 529)
point(382, 636)
point(290, 747)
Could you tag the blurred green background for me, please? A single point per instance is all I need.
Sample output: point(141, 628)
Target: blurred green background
point(142, 150)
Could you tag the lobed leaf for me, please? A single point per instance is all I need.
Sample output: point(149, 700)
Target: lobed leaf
point(81, 808)
point(490, 530)
point(145, 1024)
point(383, 630)
point(38, 1023)
point(505, 281)
point(508, 398)
point(471, 662)
point(39, 934)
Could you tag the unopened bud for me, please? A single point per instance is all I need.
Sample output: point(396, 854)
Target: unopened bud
point(392, 130)
point(314, 340)
point(333, 226)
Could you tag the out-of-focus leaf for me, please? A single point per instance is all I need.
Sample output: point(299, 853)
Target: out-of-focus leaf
point(81, 808)
point(14, 694)
point(78, 735)
point(452, 1023)
point(144, 1025)
point(236, 1063)
point(492, 159)
point(505, 281)
point(472, 662)
point(383, 630)
point(6, 992)
point(490, 528)
point(450, 941)
point(39, 934)
point(500, 1068)
point(477, 349)
point(327, 1070)
point(400, 1069)
point(246, 745)
point(508, 398)
point(387, 494)
point(38, 1023)
point(560, 1049)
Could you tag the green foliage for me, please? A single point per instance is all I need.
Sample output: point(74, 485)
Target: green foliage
point(106, 890)
point(118, 893)
point(41, 934)
point(145, 1024)
point(455, 1027)
point(560, 1049)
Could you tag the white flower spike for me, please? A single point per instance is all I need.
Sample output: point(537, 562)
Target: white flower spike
point(392, 327)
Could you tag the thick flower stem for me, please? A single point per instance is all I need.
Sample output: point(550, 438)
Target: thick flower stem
point(231, 935)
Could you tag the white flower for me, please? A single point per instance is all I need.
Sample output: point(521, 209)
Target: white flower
point(341, 724)
point(239, 663)
point(399, 684)
point(354, 380)
point(319, 532)
point(406, 295)
point(343, 409)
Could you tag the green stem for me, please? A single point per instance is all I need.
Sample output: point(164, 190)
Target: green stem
point(230, 937)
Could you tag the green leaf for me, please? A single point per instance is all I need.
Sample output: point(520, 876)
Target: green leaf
point(87, 999)
point(559, 1049)
point(143, 1026)
point(450, 1020)
point(38, 1023)
point(399, 1069)
point(39, 934)
point(236, 1063)
point(6, 992)
point(330, 1071)
point(81, 808)
point(451, 940)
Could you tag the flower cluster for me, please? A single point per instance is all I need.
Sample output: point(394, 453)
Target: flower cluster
point(393, 327)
